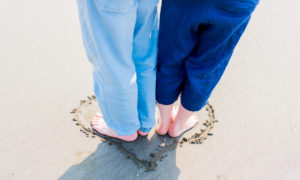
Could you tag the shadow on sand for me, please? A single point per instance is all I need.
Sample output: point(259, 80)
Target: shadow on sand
point(109, 162)
point(150, 157)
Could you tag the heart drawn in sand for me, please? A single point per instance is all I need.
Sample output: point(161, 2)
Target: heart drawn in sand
point(156, 147)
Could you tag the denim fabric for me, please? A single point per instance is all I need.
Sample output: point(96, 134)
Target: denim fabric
point(120, 38)
point(145, 130)
point(196, 41)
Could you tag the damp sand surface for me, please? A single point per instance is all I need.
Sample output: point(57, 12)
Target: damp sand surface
point(44, 74)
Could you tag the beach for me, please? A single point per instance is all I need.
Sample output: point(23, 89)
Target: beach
point(45, 73)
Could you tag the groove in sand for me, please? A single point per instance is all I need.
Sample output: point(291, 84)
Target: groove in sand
point(160, 152)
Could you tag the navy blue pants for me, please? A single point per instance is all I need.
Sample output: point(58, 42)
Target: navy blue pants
point(196, 41)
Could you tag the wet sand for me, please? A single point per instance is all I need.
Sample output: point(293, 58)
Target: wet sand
point(44, 74)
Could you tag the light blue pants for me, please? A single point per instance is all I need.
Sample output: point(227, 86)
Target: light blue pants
point(120, 38)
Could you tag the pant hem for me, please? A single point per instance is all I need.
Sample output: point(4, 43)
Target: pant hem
point(192, 101)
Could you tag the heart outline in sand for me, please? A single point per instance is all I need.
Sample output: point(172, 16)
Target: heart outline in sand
point(160, 153)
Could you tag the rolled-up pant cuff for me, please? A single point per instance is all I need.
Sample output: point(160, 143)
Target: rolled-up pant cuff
point(145, 130)
point(191, 100)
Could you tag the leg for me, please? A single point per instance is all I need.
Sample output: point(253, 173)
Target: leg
point(207, 62)
point(175, 43)
point(182, 121)
point(107, 28)
point(215, 31)
point(145, 59)
point(166, 116)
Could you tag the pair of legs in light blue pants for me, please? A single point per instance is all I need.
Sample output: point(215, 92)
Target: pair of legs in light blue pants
point(120, 38)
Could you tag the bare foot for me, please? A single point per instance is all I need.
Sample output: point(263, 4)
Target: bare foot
point(99, 125)
point(182, 121)
point(179, 127)
point(142, 133)
point(167, 113)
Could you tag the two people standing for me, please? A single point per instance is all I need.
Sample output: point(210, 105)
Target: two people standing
point(139, 60)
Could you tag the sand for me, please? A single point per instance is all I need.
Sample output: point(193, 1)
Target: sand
point(44, 74)
point(87, 109)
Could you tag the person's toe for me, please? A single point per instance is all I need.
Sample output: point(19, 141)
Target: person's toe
point(171, 132)
point(141, 133)
point(98, 115)
point(95, 122)
point(162, 131)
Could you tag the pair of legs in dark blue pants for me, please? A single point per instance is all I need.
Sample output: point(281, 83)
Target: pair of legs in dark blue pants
point(196, 41)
